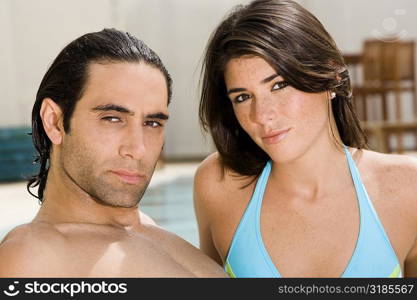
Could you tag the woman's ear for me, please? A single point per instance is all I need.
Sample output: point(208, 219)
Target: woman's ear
point(330, 95)
point(51, 115)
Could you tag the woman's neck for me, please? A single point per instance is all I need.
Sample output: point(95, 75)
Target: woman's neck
point(322, 167)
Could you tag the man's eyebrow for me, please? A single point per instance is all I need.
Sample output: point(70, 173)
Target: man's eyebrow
point(263, 81)
point(118, 108)
point(159, 115)
point(114, 107)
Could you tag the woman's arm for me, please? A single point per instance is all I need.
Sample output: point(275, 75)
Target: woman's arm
point(205, 188)
point(409, 184)
point(410, 265)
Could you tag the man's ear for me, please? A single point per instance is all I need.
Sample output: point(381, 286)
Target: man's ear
point(51, 115)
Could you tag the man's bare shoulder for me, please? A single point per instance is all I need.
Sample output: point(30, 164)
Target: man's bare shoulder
point(185, 253)
point(26, 250)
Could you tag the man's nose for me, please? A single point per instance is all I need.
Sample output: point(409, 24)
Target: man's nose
point(133, 144)
point(263, 110)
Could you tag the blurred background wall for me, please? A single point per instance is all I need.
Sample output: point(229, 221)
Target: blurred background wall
point(350, 22)
point(33, 32)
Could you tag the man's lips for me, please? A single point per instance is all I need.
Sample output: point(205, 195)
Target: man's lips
point(131, 177)
point(275, 136)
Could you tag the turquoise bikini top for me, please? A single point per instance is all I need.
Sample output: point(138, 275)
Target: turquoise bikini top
point(373, 255)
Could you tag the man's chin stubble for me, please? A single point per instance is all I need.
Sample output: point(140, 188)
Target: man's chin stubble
point(107, 199)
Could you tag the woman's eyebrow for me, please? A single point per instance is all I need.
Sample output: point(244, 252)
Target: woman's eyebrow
point(269, 78)
point(235, 90)
point(263, 81)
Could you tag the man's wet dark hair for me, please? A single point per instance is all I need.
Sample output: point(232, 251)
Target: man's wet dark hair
point(65, 80)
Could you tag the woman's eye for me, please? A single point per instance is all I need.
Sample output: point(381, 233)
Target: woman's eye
point(279, 85)
point(112, 119)
point(241, 98)
point(153, 124)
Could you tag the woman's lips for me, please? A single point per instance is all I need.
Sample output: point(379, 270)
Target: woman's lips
point(128, 176)
point(275, 136)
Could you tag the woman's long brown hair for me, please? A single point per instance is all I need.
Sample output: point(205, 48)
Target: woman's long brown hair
point(297, 46)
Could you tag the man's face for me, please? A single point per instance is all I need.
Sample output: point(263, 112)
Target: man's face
point(117, 132)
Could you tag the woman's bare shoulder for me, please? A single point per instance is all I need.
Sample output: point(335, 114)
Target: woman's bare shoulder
point(218, 189)
point(395, 173)
point(390, 166)
point(212, 178)
point(212, 169)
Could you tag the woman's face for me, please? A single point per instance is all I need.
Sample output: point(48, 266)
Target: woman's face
point(283, 121)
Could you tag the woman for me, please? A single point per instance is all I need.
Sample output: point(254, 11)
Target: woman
point(292, 191)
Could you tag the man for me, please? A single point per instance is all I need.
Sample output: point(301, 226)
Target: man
point(98, 125)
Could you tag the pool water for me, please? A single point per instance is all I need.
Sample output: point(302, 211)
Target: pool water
point(170, 205)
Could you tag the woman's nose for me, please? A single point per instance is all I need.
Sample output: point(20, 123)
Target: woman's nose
point(263, 110)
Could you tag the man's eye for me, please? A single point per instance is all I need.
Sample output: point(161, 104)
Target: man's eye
point(280, 85)
point(241, 98)
point(112, 119)
point(153, 124)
